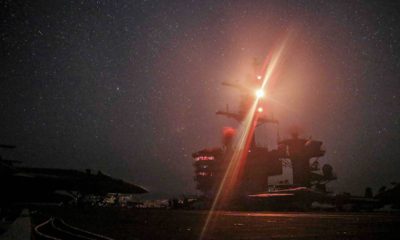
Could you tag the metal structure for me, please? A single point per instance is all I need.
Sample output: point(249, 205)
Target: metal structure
point(261, 163)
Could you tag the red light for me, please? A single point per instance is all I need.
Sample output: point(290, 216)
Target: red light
point(205, 158)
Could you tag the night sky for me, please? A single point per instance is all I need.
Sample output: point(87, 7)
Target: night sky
point(131, 87)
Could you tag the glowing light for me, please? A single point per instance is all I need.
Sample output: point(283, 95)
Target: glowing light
point(241, 146)
point(260, 93)
point(259, 77)
point(205, 158)
point(260, 110)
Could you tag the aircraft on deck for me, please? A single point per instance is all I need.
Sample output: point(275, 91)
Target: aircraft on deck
point(27, 185)
point(304, 198)
point(300, 198)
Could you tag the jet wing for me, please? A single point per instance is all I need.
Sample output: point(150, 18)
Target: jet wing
point(271, 195)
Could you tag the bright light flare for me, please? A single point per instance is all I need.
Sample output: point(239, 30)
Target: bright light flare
point(241, 144)
point(260, 93)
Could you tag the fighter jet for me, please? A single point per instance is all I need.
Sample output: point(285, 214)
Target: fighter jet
point(23, 185)
point(294, 198)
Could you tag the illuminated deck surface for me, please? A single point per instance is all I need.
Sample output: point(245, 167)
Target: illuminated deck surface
point(180, 224)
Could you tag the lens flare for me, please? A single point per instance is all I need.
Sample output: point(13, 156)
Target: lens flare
point(241, 144)
point(260, 93)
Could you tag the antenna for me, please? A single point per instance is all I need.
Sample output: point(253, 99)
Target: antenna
point(278, 137)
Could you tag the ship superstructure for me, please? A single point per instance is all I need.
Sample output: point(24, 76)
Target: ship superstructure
point(261, 163)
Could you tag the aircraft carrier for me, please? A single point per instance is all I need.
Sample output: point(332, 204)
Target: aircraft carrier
point(300, 154)
point(32, 186)
point(252, 190)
